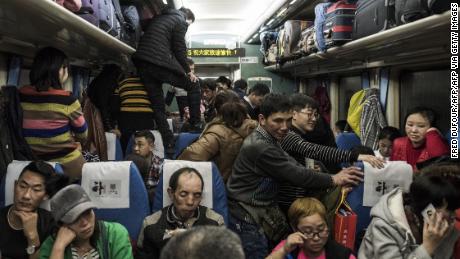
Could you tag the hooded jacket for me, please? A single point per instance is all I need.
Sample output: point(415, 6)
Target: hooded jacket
point(220, 144)
point(389, 234)
point(163, 42)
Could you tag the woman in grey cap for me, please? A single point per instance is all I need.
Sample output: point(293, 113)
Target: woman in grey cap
point(80, 235)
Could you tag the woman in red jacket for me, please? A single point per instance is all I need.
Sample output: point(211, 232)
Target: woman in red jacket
point(422, 141)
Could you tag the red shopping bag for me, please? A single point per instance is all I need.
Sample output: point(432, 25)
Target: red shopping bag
point(345, 224)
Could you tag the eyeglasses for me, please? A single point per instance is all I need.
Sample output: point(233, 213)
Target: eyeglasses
point(310, 114)
point(321, 233)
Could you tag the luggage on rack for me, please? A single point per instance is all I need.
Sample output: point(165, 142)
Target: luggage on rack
point(292, 33)
point(407, 11)
point(268, 46)
point(89, 11)
point(338, 26)
point(107, 18)
point(373, 16)
point(307, 43)
point(132, 25)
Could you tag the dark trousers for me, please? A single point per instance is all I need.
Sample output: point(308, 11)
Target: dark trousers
point(153, 77)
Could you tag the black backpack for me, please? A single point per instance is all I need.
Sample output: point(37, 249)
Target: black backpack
point(411, 10)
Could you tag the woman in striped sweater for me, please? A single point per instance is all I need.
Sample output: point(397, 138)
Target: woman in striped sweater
point(53, 121)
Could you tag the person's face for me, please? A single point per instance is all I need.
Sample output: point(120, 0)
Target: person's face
point(416, 128)
point(142, 147)
point(385, 147)
point(187, 196)
point(221, 86)
point(208, 94)
point(277, 124)
point(192, 68)
point(63, 74)
point(29, 191)
point(315, 229)
point(83, 226)
point(256, 100)
point(306, 119)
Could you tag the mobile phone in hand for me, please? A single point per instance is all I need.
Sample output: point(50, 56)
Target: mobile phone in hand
point(428, 212)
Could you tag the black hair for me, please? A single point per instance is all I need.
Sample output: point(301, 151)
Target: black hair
point(301, 101)
point(362, 150)
point(188, 13)
point(211, 242)
point(190, 62)
point(341, 125)
point(390, 133)
point(147, 134)
point(273, 103)
point(174, 180)
point(209, 83)
point(436, 184)
point(45, 69)
point(259, 89)
point(241, 84)
point(427, 113)
point(223, 97)
point(224, 80)
point(233, 114)
point(53, 181)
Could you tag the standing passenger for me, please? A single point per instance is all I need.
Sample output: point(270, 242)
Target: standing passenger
point(161, 57)
point(53, 118)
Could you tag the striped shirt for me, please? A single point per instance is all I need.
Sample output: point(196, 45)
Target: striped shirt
point(300, 149)
point(91, 254)
point(133, 96)
point(51, 121)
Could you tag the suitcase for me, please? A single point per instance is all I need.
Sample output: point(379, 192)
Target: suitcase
point(407, 11)
point(89, 11)
point(338, 27)
point(373, 16)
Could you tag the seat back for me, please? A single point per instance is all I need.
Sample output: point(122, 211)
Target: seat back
point(159, 149)
point(114, 151)
point(347, 140)
point(119, 192)
point(12, 174)
point(183, 141)
point(214, 195)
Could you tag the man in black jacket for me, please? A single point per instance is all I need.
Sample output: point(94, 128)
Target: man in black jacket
point(261, 165)
point(254, 98)
point(161, 57)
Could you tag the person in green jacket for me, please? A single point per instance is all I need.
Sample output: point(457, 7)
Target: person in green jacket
point(80, 235)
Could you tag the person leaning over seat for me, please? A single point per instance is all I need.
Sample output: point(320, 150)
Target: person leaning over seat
point(185, 191)
point(24, 226)
point(259, 168)
point(80, 235)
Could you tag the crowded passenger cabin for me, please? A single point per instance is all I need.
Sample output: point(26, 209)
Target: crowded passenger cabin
point(218, 129)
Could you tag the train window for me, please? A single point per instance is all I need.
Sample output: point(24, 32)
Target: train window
point(426, 88)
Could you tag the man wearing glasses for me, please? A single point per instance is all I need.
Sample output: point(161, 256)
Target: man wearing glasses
point(304, 119)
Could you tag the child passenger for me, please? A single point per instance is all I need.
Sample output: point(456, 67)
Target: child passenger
point(386, 137)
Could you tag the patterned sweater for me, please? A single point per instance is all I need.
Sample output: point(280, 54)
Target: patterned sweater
point(133, 96)
point(51, 121)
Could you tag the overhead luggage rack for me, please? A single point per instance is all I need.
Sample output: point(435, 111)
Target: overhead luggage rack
point(26, 25)
point(422, 43)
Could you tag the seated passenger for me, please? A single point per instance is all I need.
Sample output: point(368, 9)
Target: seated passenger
point(204, 242)
point(423, 140)
point(144, 144)
point(222, 138)
point(259, 168)
point(80, 235)
point(185, 190)
point(223, 83)
point(253, 99)
point(401, 229)
point(24, 226)
point(340, 126)
point(52, 117)
point(307, 217)
point(208, 94)
point(240, 87)
point(386, 137)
